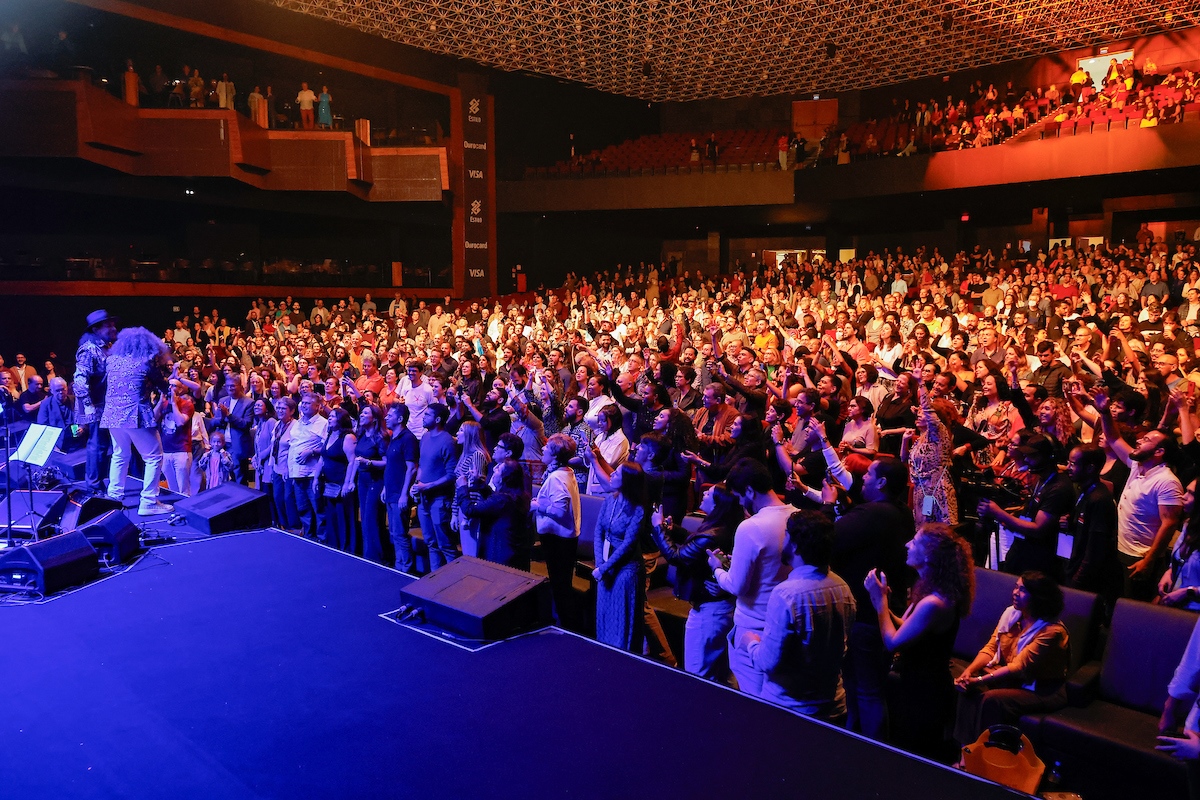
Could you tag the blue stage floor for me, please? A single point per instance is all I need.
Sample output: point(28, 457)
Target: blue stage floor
point(258, 666)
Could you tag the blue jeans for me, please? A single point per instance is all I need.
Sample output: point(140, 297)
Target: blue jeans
point(705, 651)
point(434, 515)
point(397, 522)
point(337, 521)
point(99, 451)
point(286, 515)
point(300, 495)
point(370, 512)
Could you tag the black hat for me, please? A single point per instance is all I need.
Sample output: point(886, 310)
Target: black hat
point(98, 316)
point(1038, 445)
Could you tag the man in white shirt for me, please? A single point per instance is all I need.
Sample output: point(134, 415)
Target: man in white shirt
point(417, 394)
point(761, 560)
point(306, 98)
point(1151, 505)
point(308, 439)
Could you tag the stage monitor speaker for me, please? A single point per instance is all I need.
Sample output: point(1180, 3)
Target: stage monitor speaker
point(25, 522)
point(72, 464)
point(72, 509)
point(49, 565)
point(114, 536)
point(480, 600)
point(225, 508)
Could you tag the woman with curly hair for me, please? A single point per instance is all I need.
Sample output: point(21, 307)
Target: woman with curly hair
point(921, 692)
point(137, 365)
point(1054, 420)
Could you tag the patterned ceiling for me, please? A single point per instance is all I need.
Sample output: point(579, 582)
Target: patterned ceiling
point(675, 50)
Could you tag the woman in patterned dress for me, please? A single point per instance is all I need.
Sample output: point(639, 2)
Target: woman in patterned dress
point(928, 453)
point(619, 572)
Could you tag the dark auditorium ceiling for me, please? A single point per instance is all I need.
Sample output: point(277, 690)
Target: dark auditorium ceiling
point(677, 50)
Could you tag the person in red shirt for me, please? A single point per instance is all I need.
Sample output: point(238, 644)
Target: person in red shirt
point(1065, 289)
point(370, 380)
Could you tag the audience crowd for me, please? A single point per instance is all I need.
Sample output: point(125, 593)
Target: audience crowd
point(990, 115)
point(855, 436)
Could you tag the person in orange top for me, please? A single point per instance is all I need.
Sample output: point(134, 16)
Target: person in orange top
point(370, 380)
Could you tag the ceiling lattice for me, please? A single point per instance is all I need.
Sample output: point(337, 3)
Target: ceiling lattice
point(673, 50)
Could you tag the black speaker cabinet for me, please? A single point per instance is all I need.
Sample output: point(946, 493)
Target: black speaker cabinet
point(49, 565)
point(72, 509)
point(480, 600)
point(225, 508)
point(72, 464)
point(114, 536)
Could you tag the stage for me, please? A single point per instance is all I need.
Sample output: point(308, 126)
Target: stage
point(260, 665)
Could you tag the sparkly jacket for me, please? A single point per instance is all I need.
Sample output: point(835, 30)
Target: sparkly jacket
point(90, 382)
point(127, 401)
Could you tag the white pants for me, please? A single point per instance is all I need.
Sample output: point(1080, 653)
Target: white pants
point(749, 677)
point(177, 467)
point(149, 446)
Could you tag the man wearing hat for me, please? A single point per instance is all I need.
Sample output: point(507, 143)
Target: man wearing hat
point(1037, 528)
point(90, 384)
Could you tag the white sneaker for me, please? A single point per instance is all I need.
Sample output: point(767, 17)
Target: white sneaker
point(155, 509)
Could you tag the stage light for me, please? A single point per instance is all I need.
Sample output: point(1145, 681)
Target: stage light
point(965, 217)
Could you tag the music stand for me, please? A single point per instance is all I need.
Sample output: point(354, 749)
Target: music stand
point(35, 450)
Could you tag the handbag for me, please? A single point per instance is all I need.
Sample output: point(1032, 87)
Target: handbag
point(1005, 755)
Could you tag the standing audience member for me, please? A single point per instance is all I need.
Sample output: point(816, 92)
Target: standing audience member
point(1035, 546)
point(399, 475)
point(261, 432)
point(921, 691)
point(335, 483)
point(370, 453)
point(557, 516)
point(283, 504)
point(474, 463)
point(1092, 528)
point(758, 564)
point(234, 415)
point(308, 439)
point(803, 642)
point(174, 412)
point(705, 634)
point(434, 487)
point(502, 516)
point(1151, 504)
point(872, 535)
point(218, 464)
point(305, 99)
point(620, 584)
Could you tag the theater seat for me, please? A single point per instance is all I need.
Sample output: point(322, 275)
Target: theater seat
point(993, 594)
point(1107, 737)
